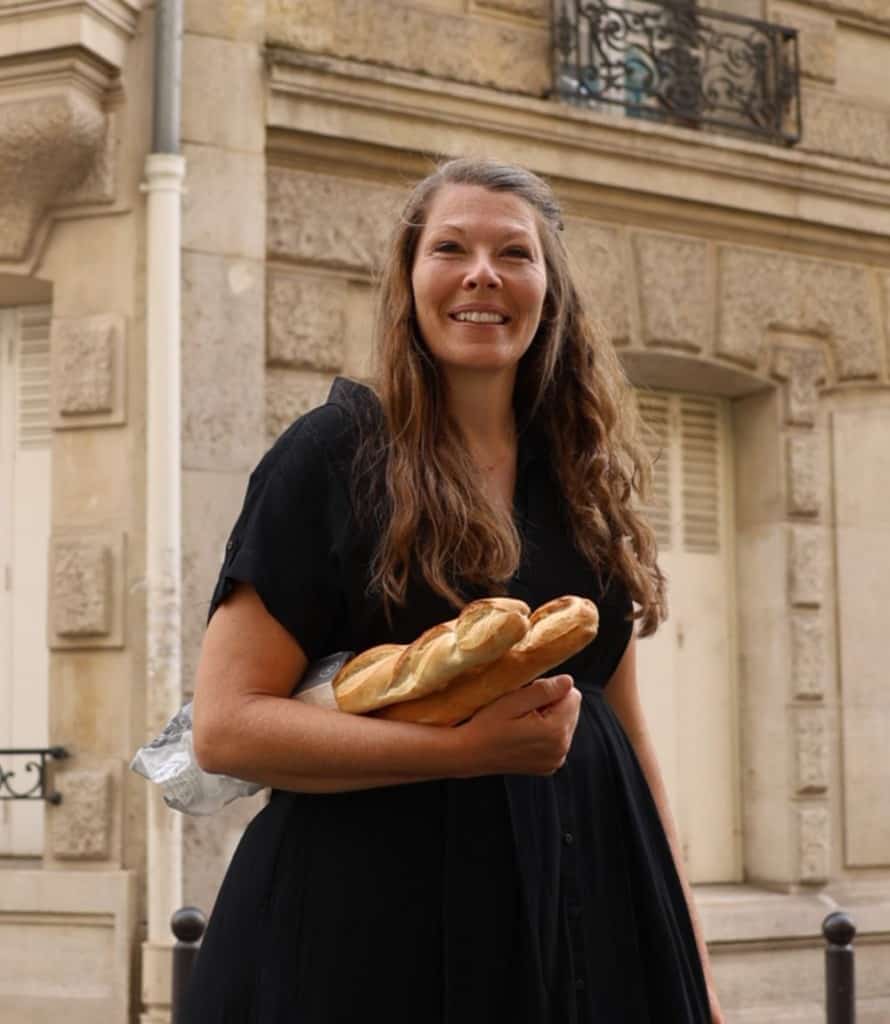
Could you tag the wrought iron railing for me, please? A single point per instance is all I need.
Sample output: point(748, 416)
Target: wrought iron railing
point(33, 786)
point(672, 61)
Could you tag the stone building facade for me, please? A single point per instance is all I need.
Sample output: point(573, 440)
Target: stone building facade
point(747, 286)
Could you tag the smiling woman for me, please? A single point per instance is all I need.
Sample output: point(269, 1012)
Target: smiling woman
point(521, 866)
point(479, 283)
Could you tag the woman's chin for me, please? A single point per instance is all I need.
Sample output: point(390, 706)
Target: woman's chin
point(480, 359)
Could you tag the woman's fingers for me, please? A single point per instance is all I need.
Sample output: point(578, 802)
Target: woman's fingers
point(534, 697)
point(529, 731)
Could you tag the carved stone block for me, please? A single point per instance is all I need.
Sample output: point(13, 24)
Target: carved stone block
point(595, 254)
point(838, 127)
point(86, 591)
point(329, 220)
point(672, 280)
point(452, 45)
point(803, 370)
point(811, 750)
point(81, 588)
point(98, 185)
point(81, 824)
point(306, 321)
point(839, 300)
point(761, 291)
point(807, 655)
point(805, 482)
point(817, 40)
point(47, 145)
point(814, 845)
point(807, 566)
point(749, 301)
point(289, 394)
point(87, 355)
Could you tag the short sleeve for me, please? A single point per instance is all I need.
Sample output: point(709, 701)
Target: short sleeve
point(282, 540)
point(615, 629)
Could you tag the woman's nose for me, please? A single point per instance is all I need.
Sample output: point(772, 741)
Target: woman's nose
point(481, 273)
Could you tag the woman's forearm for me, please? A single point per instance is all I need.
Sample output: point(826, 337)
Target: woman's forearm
point(645, 751)
point(289, 745)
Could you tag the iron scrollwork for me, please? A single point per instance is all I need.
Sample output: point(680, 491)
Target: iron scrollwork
point(672, 61)
point(33, 786)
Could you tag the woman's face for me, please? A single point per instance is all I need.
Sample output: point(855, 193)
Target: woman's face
point(479, 279)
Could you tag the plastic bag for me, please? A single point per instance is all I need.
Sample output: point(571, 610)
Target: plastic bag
point(169, 759)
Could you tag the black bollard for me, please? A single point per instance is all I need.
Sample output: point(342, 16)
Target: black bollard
point(840, 980)
point(188, 925)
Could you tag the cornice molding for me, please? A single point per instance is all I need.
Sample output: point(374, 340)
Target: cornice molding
point(101, 27)
point(604, 158)
point(872, 14)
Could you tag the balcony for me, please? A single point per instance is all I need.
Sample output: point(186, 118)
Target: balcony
point(674, 62)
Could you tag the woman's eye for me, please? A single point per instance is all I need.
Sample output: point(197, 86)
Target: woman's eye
point(518, 250)
point(445, 247)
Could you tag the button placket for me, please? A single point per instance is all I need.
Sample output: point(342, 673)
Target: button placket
point(569, 886)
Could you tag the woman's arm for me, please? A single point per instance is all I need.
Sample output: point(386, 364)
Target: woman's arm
point(246, 725)
point(623, 695)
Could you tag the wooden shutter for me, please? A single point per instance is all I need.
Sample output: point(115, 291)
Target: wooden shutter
point(656, 412)
point(32, 378)
point(686, 671)
point(700, 447)
point(25, 515)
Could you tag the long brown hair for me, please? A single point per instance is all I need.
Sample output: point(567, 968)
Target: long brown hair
point(438, 519)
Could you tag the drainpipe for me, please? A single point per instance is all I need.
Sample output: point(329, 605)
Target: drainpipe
point(163, 185)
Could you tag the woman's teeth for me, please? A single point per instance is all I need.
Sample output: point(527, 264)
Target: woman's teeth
point(480, 318)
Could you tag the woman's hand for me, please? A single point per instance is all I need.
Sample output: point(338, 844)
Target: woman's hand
point(527, 732)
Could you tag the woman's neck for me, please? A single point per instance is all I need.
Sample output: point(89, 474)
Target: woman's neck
point(482, 407)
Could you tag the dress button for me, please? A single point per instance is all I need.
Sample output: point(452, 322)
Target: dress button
point(568, 838)
point(580, 984)
point(229, 544)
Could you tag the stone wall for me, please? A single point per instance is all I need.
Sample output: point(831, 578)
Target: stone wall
point(223, 287)
point(74, 115)
point(500, 43)
point(843, 52)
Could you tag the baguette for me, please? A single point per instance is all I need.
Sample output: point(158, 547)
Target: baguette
point(557, 630)
point(382, 675)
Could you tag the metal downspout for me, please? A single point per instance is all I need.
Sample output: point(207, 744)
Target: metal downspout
point(163, 185)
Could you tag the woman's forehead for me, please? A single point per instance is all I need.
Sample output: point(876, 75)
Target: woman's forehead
point(464, 207)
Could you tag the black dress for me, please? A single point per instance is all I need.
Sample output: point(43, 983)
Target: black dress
point(520, 899)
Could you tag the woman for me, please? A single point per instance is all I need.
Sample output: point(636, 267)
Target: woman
point(522, 866)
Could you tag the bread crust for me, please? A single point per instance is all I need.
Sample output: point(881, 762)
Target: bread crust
point(383, 675)
point(557, 630)
point(370, 668)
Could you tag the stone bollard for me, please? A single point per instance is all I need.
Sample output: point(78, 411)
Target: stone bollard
point(840, 980)
point(188, 925)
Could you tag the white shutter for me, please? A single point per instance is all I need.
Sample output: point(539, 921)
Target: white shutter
point(32, 377)
point(655, 411)
point(25, 512)
point(686, 671)
point(700, 446)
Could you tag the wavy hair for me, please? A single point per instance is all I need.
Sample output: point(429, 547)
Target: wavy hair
point(435, 518)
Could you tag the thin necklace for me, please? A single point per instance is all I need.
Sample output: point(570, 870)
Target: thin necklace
point(489, 466)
